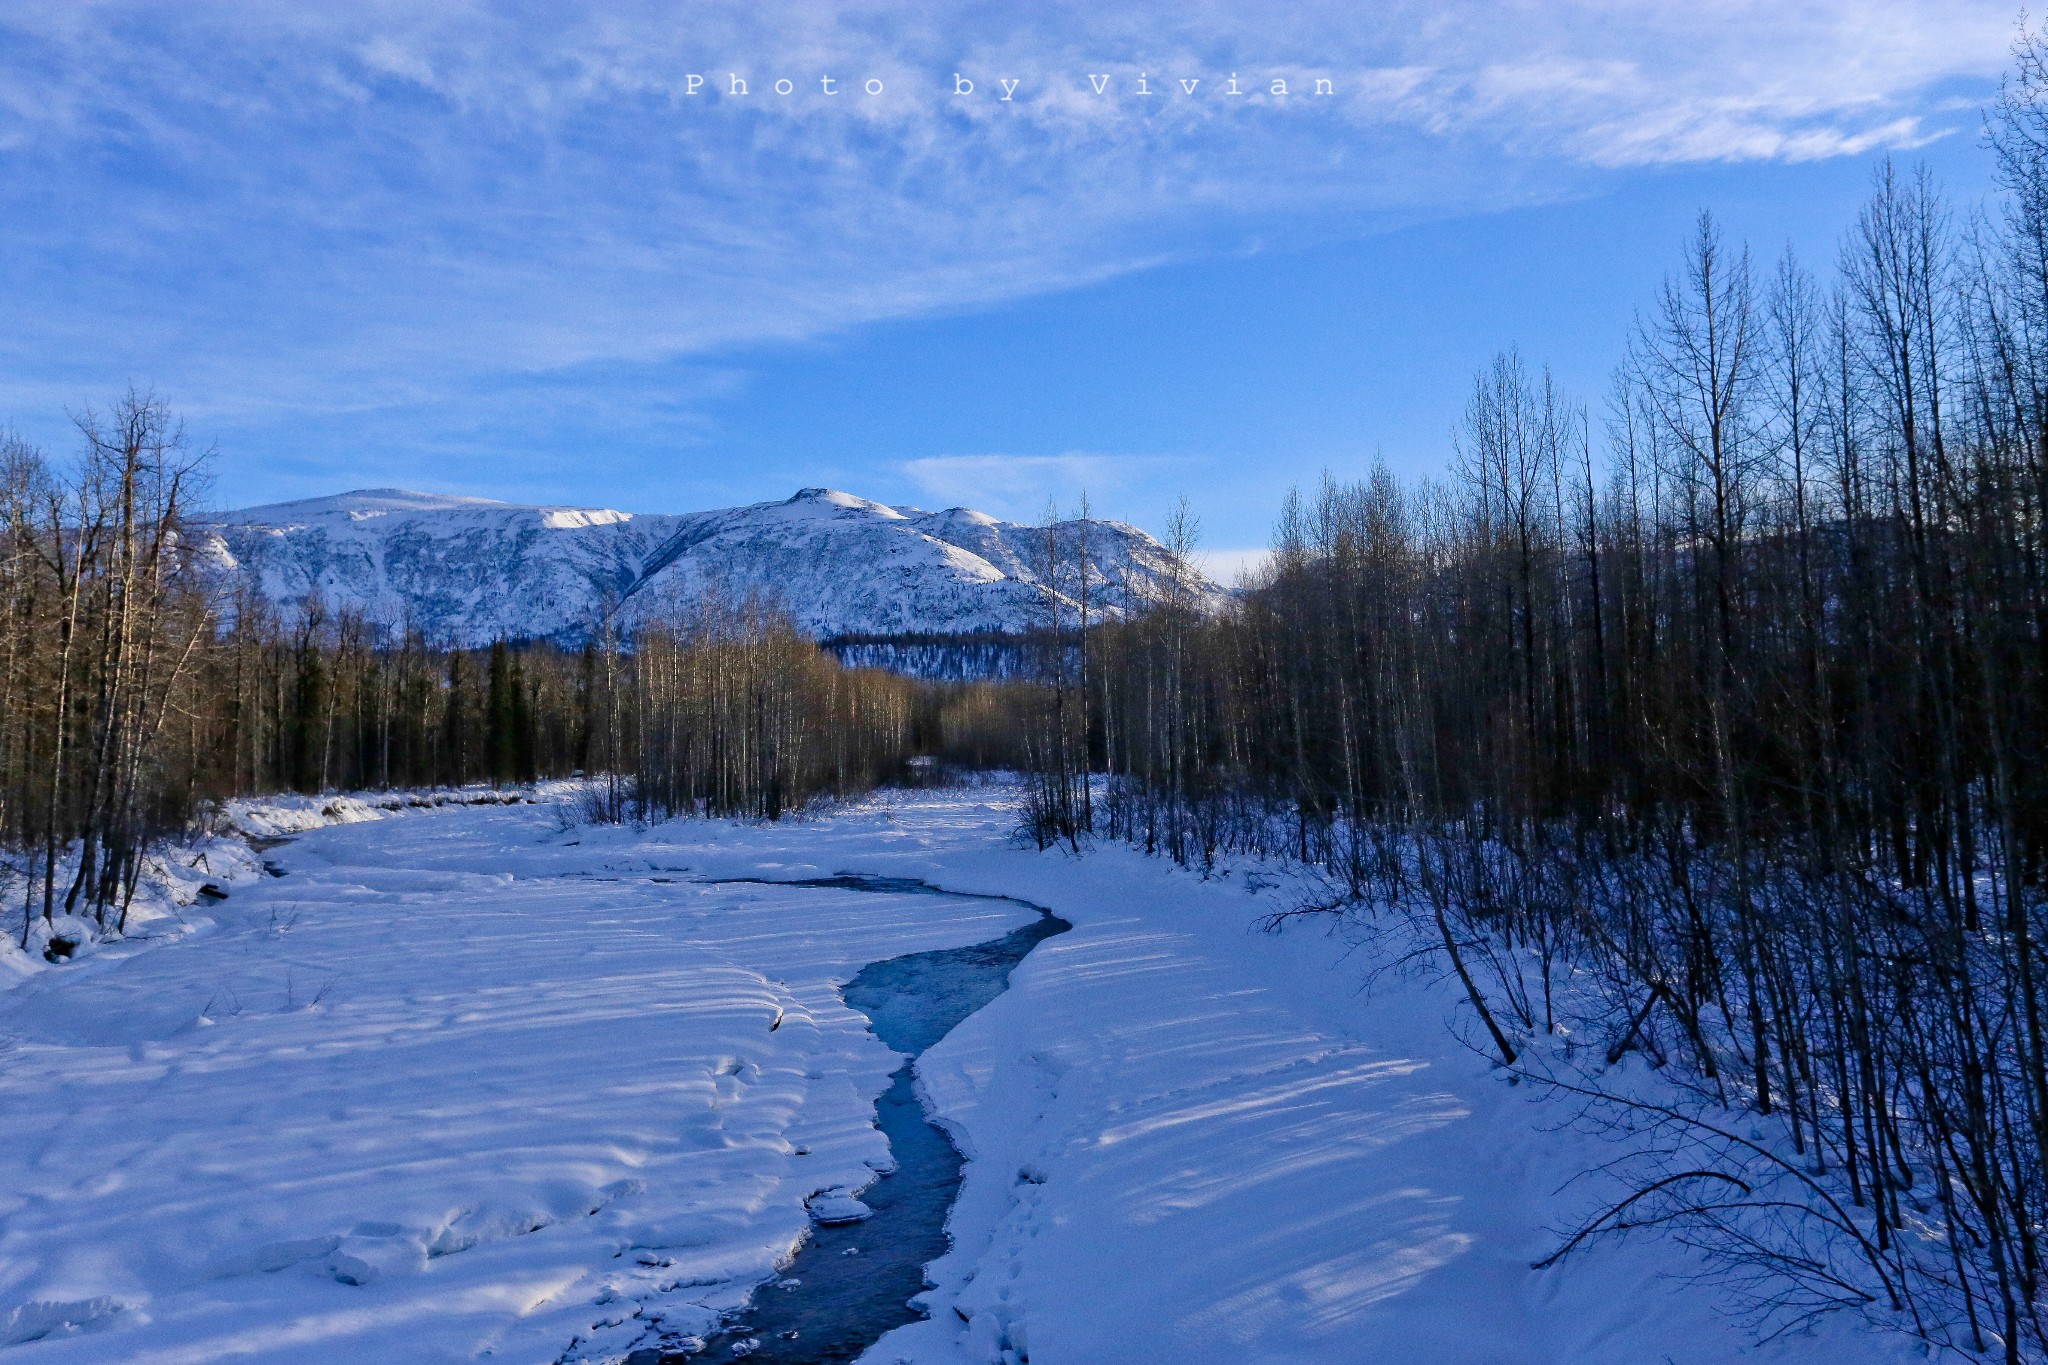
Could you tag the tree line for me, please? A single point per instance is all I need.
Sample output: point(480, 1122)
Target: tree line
point(1712, 725)
point(724, 707)
point(142, 683)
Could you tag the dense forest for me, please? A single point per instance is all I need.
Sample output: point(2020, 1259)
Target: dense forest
point(1712, 725)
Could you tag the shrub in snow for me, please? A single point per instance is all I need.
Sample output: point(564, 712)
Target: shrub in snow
point(62, 938)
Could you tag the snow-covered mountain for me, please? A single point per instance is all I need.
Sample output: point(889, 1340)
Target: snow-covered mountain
point(470, 570)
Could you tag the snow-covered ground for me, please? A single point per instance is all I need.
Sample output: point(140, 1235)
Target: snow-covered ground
point(466, 1084)
point(174, 878)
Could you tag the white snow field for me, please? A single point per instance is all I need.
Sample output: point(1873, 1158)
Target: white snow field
point(467, 1085)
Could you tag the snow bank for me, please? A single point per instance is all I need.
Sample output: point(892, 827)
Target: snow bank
point(271, 817)
point(172, 879)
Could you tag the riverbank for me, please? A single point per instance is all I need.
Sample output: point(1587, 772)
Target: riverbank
point(459, 1084)
point(469, 1085)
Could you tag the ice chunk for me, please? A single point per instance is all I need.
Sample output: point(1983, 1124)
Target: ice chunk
point(831, 1210)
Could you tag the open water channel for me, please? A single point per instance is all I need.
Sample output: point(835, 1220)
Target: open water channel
point(851, 1283)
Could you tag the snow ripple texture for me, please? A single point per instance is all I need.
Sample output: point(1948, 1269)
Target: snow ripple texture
point(457, 1084)
point(463, 1085)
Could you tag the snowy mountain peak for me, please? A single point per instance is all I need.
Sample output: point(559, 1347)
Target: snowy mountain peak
point(466, 570)
point(965, 516)
point(361, 504)
point(832, 502)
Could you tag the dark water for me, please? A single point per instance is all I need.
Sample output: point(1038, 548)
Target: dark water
point(849, 1285)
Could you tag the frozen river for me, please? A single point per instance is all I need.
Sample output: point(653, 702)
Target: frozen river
point(483, 1085)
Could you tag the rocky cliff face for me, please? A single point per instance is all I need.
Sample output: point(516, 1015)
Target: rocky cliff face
point(469, 570)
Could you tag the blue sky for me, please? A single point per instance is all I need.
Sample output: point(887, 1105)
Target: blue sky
point(511, 250)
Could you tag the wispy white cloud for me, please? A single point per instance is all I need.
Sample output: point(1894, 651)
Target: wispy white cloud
point(1021, 487)
point(263, 203)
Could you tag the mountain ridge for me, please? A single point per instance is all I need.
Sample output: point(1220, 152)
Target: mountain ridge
point(466, 570)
